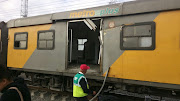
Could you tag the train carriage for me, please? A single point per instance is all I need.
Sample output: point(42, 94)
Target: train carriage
point(138, 41)
point(3, 43)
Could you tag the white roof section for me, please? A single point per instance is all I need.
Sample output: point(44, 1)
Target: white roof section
point(127, 8)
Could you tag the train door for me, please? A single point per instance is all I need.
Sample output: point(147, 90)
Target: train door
point(83, 43)
point(111, 45)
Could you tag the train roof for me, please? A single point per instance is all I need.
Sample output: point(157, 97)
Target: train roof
point(126, 8)
point(2, 22)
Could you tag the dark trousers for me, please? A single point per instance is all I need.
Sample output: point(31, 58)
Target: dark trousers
point(81, 98)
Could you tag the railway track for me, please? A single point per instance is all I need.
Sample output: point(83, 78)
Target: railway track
point(144, 97)
point(45, 94)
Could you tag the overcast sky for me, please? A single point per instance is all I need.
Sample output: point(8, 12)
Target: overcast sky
point(10, 9)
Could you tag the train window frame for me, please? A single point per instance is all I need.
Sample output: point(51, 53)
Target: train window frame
point(82, 44)
point(152, 47)
point(17, 33)
point(53, 40)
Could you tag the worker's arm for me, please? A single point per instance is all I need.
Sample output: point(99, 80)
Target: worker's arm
point(84, 86)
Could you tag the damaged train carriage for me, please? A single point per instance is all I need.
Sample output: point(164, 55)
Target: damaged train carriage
point(139, 43)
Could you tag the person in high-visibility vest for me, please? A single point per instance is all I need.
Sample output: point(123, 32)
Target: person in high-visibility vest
point(80, 85)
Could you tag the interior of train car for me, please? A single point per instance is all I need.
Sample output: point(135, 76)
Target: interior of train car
point(83, 43)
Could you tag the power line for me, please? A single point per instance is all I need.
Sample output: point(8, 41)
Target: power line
point(10, 11)
point(57, 8)
point(10, 14)
point(63, 7)
point(74, 5)
point(44, 11)
point(65, 2)
point(3, 1)
point(7, 12)
point(32, 7)
point(56, 3)
point(36, 6)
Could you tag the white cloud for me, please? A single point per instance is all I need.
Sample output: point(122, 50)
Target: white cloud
point(9, 9)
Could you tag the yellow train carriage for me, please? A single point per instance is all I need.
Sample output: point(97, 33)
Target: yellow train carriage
point(159, 63)
point(137, 42)
point(22, 43)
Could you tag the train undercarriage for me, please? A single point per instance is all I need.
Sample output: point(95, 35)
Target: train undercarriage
point(56, 84)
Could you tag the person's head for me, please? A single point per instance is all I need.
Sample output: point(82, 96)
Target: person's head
point(84, 68)
point(5, 77)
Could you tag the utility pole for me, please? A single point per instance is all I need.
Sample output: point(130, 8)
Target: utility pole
point(24, 8)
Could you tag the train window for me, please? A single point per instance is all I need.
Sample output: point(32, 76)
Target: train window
point(138, 36)
point(20, 40)
point(46, 40)
point(81, 44)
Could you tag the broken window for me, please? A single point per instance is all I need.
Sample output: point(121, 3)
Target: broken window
point(81, 43)
point(20, 40)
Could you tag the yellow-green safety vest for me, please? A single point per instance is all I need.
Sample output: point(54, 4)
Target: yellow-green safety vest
point(77, 90)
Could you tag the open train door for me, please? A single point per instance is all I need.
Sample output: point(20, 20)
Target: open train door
point(83, 43)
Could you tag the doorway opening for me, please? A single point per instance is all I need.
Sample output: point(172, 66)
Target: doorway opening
point(83, 43)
